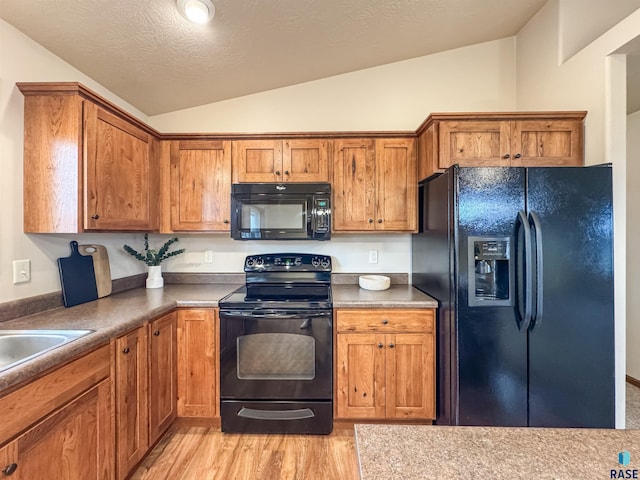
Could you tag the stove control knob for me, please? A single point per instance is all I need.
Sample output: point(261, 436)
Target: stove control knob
point(259, 261)
point(325, 262)
point(250, 261)
point(315, 261)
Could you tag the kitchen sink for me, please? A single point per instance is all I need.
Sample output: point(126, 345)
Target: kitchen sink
point(17, 346)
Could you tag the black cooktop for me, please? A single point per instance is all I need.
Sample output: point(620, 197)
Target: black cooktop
point(283, 296)
point(284, 280)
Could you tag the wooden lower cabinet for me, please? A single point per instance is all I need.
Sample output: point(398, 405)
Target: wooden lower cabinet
point(131, 369)
point(198, 383)
point(385, 364)
point(68, 432)
point(162, 375)
point(65, 445)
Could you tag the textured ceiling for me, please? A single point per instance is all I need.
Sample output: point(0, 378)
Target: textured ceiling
point(149, 55)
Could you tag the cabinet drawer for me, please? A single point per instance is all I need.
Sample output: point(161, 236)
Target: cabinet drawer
point(385, 320)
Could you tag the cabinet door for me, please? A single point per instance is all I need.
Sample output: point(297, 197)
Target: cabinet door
point(73, 442)
point(162, 375)
point(200, 185)
point(305, 160)
point(120, 178)
point(410, 377)
point(257, 161)
point(474, 143)
point(354, 185)
point(198, 363)
point(397, 188)
point(131, 395)
point(546, 143)
point(360, 389)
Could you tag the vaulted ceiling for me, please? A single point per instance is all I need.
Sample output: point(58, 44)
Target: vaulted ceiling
point(149, 55)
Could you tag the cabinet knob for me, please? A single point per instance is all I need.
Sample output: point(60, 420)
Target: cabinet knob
point(379, 220)
point(225, 221)
point(517, 155)
point(156, 333)
point(391, 345)
point(286, 172)
point(371, 220)
point(126, 350)
point(277, 172)
point(9, 469)
point(95, 217)
point(385, 321)
point(380, 345)
point(506, 155)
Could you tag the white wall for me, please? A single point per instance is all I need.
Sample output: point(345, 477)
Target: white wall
point(22, 60)
point(392, 97)
point(582, 21)
point(633, 233)
point(593, 80)
point(398, 96)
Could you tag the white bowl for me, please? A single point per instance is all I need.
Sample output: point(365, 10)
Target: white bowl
point(374, 282)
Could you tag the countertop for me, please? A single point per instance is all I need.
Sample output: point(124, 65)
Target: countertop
point(120, 313)
point(410, 452)
point(397, 296)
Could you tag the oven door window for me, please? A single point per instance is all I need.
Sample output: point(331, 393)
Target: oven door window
point(276, 356)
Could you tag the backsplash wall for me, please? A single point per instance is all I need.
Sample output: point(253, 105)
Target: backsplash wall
point(350, 253)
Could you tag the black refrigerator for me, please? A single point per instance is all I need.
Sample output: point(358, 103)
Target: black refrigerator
point(521, 263)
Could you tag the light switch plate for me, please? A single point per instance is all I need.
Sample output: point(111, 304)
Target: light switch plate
point(21, 271)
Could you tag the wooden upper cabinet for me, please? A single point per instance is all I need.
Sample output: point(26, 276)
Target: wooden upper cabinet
point(374, 185)
point(87, 164)
point(200, 185)
point(295, 160)
point(547, 143)
point(397, 187)
point(305, 160)
point(353, 185)
point(120, 190)
point(525, 139)
point(474, 144)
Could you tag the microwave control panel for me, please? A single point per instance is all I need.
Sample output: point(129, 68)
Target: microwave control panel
point(322, 215)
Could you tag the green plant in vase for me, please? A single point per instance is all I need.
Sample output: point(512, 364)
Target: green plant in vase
point(153, 258)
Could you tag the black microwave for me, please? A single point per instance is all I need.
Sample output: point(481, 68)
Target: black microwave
point(281, 211)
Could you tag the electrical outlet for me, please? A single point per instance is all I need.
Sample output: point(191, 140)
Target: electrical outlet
point(373, 256)
point(21, 271)
point(208, 256)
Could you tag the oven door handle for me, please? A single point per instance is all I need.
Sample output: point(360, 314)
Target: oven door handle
point(254, 315)
point(253, 413)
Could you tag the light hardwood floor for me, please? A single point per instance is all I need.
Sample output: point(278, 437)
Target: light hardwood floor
point(200, 453)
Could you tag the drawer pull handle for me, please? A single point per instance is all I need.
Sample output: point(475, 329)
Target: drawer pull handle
point(126, 350)
point(9, 469)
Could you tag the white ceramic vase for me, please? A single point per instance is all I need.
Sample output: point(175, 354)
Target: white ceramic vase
point(154, 278)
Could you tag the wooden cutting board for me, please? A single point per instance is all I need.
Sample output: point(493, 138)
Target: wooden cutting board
point(100, 265)
point(77, 277)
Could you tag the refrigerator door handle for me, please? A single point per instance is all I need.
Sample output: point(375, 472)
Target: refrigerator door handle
point(537, 234)
point(524, 318)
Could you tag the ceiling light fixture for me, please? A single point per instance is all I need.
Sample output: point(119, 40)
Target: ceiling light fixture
point(197, 11)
